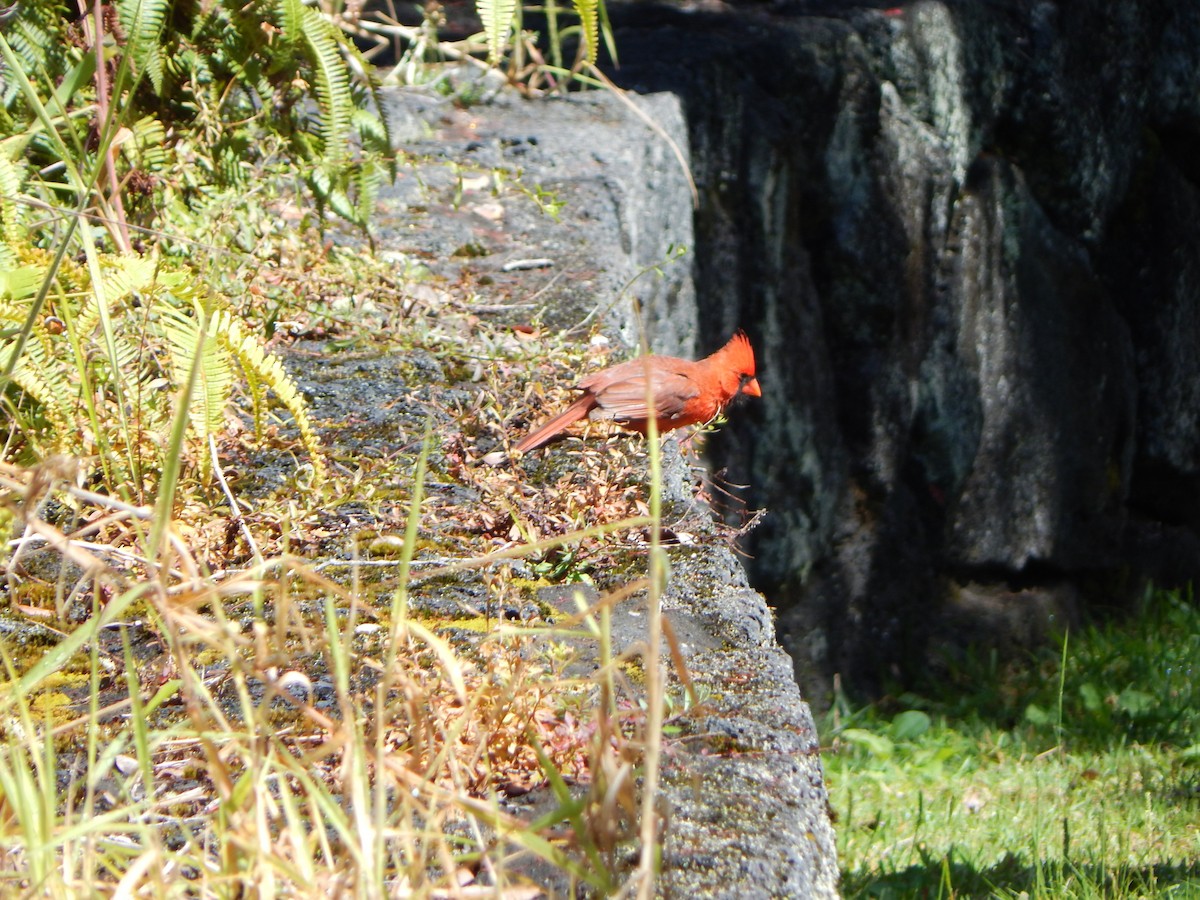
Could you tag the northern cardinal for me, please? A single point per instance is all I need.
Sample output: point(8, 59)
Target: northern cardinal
point(684, 392)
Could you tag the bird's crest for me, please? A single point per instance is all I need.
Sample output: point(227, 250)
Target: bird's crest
point(740, 353)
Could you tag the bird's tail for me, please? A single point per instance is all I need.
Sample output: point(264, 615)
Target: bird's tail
point(540, 437)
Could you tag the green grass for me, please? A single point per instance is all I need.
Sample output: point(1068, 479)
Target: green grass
point(1074, 772)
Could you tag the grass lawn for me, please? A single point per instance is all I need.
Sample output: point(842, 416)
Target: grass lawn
point(1072, 773)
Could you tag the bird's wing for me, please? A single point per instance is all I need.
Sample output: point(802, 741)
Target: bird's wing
point(622, 393)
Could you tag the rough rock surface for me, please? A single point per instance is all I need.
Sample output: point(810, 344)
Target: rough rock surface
point(964, 237)
point(745, 807)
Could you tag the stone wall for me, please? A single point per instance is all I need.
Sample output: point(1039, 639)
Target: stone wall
point(964, 238)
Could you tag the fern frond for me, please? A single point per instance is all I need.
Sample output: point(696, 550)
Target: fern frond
point(369, 177)
point(126, 275)
point(148, 148)
point(497, 17)
point(19, 283)
point(199, 334)
point(289, 15)
point(35, 37)
point(142, 22)
point(43, 377)
point(225, 341)
point(12, 211)
point(332, 86)
point(86, 313)
point(8, 261)
point(374, 130)
point(589, 25)
point(264, 369)
point(330, 184)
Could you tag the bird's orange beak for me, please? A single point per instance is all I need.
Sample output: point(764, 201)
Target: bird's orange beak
point(751, 388)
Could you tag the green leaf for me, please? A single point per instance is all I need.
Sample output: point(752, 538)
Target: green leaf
point(1035, 715)
point(20, 283)
point(1135, 702)
point(909, 725)
point(1092, 701)
point(877, 745)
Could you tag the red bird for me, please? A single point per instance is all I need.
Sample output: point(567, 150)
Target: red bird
point(684, 392)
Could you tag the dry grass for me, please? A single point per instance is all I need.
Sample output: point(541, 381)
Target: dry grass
point(247, 712)
point(271, 685)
